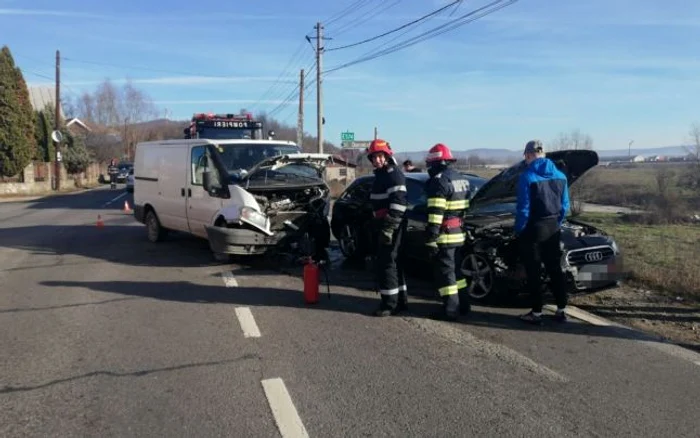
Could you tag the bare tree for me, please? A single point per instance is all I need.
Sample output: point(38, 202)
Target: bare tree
point(571, 140)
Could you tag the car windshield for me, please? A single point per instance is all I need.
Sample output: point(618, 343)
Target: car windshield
point(240, 158)
point(493, 209)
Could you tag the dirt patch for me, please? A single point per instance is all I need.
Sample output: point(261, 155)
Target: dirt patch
point(672, 318)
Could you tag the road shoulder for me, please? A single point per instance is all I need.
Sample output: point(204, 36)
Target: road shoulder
point(669, 318)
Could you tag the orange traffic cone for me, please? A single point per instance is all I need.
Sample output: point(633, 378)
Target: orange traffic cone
point(126, 207)
point(100, 224)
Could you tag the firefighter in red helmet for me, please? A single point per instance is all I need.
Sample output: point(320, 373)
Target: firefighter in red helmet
point(388, 198)
point(448, 197)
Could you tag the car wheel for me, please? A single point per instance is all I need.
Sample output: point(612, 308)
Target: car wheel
point(480, 276)
point(348, 242)
point(156, 233)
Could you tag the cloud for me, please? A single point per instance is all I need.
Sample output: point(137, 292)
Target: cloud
point(51, 13)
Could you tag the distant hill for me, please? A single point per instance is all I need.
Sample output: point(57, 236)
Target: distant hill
point(496, 155)
point(508, 155)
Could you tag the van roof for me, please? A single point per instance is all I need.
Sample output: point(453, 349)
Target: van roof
point(182, 141)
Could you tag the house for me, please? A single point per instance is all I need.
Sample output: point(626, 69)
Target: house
point(341, 170)
point(43, 96)
point(77, 127)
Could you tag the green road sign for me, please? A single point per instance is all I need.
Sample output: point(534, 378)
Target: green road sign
point(347, 136)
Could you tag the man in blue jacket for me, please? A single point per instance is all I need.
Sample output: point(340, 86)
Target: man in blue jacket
point(543, 200)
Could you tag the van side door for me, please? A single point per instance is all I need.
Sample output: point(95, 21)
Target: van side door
point(201, 207)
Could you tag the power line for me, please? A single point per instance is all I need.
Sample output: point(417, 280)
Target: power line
point(352, 7)
point(364, 17)
point(439, 30)
point(416, 21)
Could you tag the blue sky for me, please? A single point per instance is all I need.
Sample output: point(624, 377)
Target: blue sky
point(617, 70)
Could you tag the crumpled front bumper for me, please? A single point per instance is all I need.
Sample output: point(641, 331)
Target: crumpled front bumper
point(241, 241)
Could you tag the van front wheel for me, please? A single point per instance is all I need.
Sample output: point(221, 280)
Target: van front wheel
point(156, 233)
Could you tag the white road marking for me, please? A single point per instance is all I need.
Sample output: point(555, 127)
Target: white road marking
point(245, 318)
point(229, 279)
point(282, 407)
point(115, 199)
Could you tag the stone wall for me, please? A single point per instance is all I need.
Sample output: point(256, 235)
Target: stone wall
point(38, 186)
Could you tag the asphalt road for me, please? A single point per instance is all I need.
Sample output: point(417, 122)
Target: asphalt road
point(105, 334)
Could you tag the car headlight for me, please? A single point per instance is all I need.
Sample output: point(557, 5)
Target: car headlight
point(614, 247)
point(253, 217)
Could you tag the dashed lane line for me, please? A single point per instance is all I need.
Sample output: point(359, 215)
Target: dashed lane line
point(286, 416)
point(115, 199)
point(247, 321)
point(229, 279)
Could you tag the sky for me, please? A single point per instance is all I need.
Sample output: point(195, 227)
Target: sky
point(617, 70)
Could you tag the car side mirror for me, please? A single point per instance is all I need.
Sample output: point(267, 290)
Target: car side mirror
point(206, 180)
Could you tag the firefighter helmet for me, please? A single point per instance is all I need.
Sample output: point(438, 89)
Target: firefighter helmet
point(379, 145)
point(439, 153)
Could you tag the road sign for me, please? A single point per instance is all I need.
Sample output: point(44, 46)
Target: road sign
point(355, 144)
point(347, 136)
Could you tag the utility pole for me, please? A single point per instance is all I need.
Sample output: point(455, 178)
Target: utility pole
point(629, 150)
point(300, 120)
point(319, 95)
point(57, 118)
point(375, 132)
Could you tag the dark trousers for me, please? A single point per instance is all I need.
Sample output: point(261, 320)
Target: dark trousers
point(450, 281)
point(535, 251)
point(390, 272)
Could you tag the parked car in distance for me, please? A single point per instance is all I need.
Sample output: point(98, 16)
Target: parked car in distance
point(489, 260)
point(130, 181)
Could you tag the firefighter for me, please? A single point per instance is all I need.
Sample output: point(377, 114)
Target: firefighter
point(388, 198)
point(448, 196)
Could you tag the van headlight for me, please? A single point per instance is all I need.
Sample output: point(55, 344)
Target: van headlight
point(254, 217)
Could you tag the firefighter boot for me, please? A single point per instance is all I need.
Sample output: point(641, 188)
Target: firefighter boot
point(388, 305)
point(450, 309)
point(464, 305)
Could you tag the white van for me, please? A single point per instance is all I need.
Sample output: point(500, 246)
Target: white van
point(244, 196)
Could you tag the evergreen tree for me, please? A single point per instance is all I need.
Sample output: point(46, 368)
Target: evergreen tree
point(16, 118)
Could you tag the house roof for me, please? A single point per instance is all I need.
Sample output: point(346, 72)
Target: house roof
point(77, 121)
point(339, 161)
point(42, 96)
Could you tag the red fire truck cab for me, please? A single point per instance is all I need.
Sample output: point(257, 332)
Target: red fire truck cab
point(225, 126)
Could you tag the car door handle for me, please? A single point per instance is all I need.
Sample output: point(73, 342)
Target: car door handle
point(182, 191)
point(411, 228)
point(189, 193)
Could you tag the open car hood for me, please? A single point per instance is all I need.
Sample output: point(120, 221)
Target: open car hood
point(318, 161)
point(503, 187)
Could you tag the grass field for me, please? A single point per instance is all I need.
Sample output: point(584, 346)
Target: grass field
point(659, 257)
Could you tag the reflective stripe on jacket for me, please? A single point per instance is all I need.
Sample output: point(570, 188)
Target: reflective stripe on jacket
point(448, 197)
point(388, 195)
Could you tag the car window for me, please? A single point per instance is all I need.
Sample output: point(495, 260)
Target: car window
point(199, 161)
point(359, 193)
point(415, 193)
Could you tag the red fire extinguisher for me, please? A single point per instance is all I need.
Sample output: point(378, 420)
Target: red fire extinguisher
point(311, 282)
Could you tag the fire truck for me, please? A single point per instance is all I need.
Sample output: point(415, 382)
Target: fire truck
point(224, 126)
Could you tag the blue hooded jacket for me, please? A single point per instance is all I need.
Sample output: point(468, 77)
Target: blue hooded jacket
point(543, 193)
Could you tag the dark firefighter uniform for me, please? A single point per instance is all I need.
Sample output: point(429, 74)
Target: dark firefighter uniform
point(448, 196)
point(388, 198)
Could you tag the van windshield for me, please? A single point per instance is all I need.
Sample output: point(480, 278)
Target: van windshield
point(241, 157)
